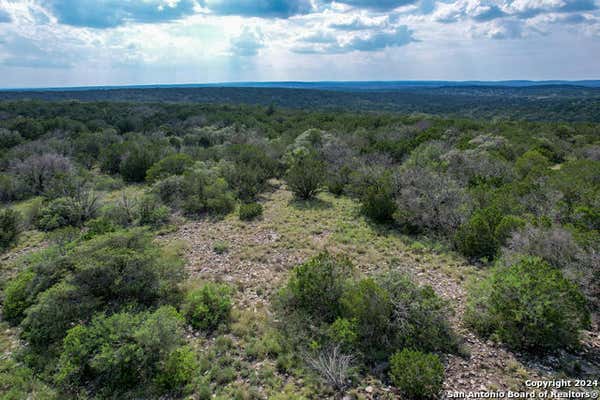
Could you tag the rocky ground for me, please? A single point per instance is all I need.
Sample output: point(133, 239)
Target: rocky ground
point(256, 257)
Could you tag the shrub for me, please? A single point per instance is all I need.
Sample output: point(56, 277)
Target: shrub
point(430, 201)
point(344, 331)
point(250, 211)
point(417, 375)
point(152, 213)
point(305, 174)
point(17, 297)
point(138, 157)
point(10, 227)
point(41, 174)
point(419, 317)
point(126, 351)
point(507, 225)
point(175, 164)
point(221, 247)
point(316, 286)
point(104, 274)
point(370, 306)
point(477, 237)
point(207, 307)
point(170, 190)
point(531, 162)
point(219, 200)
point(529, 306)
point(333, 365)
point(98, 227)
point(178, 369)
point(378, 200)
point(58, 213)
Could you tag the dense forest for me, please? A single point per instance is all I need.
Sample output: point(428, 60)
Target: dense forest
point(162, 246)
point(534, 103)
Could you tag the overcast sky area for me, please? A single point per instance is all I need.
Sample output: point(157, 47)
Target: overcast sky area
point(48, 43)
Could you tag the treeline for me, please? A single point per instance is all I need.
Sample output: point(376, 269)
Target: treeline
point(544, 103)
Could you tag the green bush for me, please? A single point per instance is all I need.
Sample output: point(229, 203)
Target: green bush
point(476, 238)
point(152, 213)
point(417, 375)
point(124, 352)
point(98, 227)
point(10, 227)
point(105, 274)
point(507, 225)
point(175, 164)
point(178, 369)
point(532, 163)
point(316, 286)
point(17, 297)
point(420, 318)
point(305, 174)
point(250, 211)
point(207, 307)
point(370, 306)
point(528, 306)
point(18, 382)
point(344, 331)
point(57, 214)
point(378, 201)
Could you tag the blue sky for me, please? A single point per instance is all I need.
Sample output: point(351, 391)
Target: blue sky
point(110, 42)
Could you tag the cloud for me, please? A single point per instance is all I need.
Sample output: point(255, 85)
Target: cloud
point(259, 8)
point(531, 8)
point(5, 16)
point(25, 53)
point(359, 23)
point(248, 43)
point(111, 13)
point(378, 5)
point(507, 29)
point(486, 10)
point(327, 43)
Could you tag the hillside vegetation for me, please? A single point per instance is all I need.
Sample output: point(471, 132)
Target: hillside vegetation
point(194, 251)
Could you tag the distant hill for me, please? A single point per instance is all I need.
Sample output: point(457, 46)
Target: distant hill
point(551, 100)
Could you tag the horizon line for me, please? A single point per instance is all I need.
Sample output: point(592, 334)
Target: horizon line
point(419, 82)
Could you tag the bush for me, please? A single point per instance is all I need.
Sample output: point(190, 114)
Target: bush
point(529, 306)
point(417, 375)
point(477, 238)
point(420, 318)
point(316, 286)
point(98, 227)
point(178, 369)
point(305, 174)
point(175, 164)
point(378, 201)
point(370, 306)
point(57, 214)
point(126, 351)
point(105, 274)
point(430, 201)
point(170, 190)
point(17, 298)
point(507, 225)
point(532, 162)
point(152, 213)
point(10, 227)
point(250, 211)
point(208, 307)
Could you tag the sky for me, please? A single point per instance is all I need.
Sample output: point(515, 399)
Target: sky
point(56, 43)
